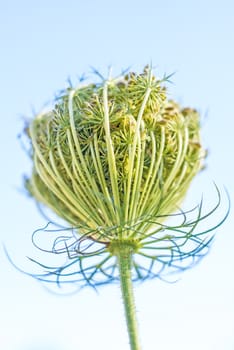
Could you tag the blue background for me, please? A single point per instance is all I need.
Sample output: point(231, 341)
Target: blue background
point(42, 44)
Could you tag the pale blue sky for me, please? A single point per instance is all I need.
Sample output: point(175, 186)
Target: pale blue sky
point(44, 42)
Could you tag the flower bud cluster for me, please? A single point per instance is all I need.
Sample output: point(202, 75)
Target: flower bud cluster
point(110, 156)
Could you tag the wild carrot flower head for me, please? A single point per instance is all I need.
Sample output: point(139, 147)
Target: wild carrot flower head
point(115, 159)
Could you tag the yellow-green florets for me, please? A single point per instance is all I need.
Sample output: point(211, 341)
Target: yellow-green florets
point(110, 156)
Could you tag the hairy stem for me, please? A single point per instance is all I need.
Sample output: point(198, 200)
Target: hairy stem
point(124, 256)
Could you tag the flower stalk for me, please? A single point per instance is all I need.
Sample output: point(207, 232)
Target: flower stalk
point(123, 252)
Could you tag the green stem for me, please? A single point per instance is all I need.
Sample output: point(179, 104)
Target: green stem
point(124, 256)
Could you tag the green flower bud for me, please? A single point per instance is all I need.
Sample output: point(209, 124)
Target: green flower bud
point(109, 158)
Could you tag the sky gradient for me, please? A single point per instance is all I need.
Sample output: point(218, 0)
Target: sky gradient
point(43, 44)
